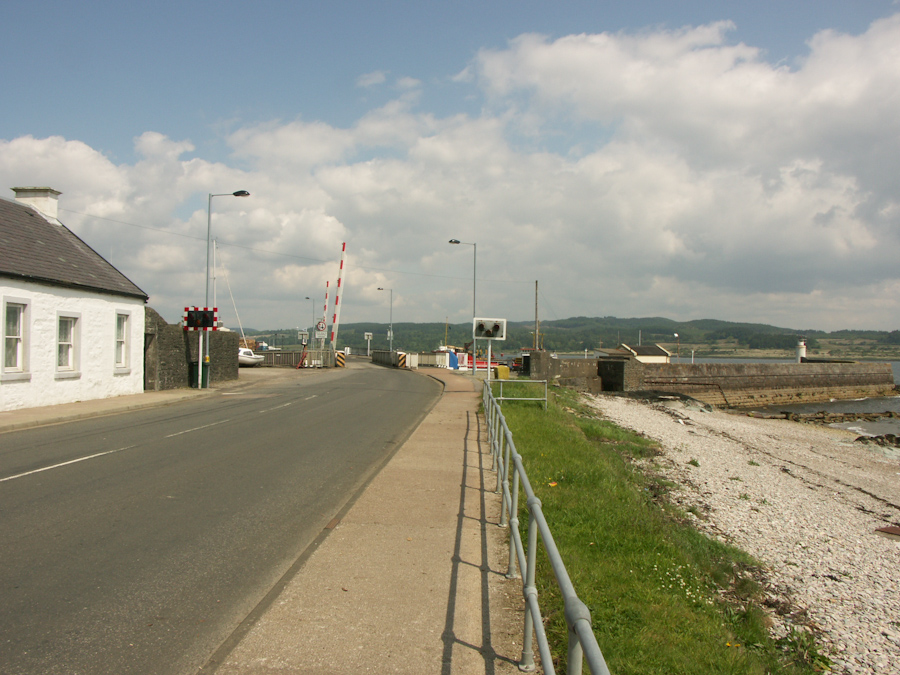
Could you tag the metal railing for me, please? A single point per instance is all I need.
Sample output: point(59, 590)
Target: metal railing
point(500, 398)
point(312, 358)
point(582, 642)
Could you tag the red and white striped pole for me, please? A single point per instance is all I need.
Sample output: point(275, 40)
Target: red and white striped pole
point(335, 322)
point(325, 312)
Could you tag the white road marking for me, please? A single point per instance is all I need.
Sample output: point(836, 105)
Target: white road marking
point(71, 461)
point(276, 407)
point(205, 426)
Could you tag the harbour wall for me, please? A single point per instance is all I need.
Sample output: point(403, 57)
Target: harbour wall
point(743, 385)
point(733, 385)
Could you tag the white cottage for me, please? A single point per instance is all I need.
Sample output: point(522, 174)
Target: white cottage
point(73, 325)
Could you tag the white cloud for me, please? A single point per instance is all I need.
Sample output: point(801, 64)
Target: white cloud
point(372, 79)
point(405, 83)
point(299, 144)
point(663, 172)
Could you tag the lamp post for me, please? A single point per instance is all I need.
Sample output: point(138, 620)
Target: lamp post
point(391, 325)
point(474, 268)
point(239, 193)
point(313, 305)
point(678, 349)
point(200, 354)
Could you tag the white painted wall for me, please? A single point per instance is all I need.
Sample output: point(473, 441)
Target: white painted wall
point(95, 375)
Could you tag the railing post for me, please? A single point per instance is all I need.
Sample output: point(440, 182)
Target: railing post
point(526, 663)
point(495, 415)
point(511, 572)
point(575, 610)
point(501, 445)
point(515, 482)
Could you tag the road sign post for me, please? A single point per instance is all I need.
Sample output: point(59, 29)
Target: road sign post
point(490, 330)
point(202, 320)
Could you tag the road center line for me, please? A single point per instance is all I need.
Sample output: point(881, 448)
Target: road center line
point(276, 407)
point(71, 461)
point(205, 426)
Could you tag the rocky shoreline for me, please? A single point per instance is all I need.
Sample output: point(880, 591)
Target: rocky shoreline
point(806, 501)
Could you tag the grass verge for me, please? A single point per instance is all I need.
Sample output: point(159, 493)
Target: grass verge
point(664, 598)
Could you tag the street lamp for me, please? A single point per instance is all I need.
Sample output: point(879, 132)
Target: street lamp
point(474, 268)
point(312, 303)
point(391, 325)
point(239, 193)
point(678, 352)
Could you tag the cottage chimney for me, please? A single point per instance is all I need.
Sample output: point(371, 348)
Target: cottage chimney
point(41, 199)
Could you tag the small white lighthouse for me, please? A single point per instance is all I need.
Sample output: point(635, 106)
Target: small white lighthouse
point(801, 350)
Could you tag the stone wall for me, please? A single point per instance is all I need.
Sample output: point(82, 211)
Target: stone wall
point(579, 374)
point(621, 374)
point(757, 384)
point(170, 353)
point(733, 385)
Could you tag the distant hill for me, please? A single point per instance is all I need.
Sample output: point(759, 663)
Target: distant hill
point(579, 333)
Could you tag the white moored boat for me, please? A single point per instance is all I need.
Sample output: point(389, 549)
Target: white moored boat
point(246, 357)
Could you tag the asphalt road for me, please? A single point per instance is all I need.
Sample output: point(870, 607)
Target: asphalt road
point(137, 543)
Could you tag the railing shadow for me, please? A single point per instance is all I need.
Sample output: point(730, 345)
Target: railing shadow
point(473, 460)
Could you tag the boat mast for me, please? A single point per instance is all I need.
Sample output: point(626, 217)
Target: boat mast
point(233, 303)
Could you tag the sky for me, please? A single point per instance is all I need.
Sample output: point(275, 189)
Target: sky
point(692, 160)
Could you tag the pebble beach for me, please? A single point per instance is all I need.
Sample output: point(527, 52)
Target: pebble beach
point(805, 501)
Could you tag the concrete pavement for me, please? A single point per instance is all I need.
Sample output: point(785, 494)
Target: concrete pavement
point(410, 579)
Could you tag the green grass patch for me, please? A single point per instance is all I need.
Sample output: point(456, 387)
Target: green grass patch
point(664, 598)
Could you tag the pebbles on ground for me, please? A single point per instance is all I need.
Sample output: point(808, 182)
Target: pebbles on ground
point(805, 501)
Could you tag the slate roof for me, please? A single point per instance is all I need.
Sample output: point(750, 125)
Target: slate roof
point(33, 249)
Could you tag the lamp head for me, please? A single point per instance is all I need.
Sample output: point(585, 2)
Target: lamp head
point(454, 241)
point(241, 193)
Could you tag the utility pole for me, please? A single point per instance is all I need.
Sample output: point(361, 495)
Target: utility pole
point(537, 324)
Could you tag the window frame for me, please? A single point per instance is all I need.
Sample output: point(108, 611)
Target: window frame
point(21, 370)
point(122, 367)
point(73, 369)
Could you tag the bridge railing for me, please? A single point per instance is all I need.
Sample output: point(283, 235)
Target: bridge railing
point(582, 644)
point(312, 358)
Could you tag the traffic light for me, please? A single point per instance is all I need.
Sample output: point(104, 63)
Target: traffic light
point(196, 318)
point(489, 329)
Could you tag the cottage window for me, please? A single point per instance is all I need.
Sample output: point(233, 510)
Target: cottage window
point(66, 345)
point(122, 341)
point(14, 338)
